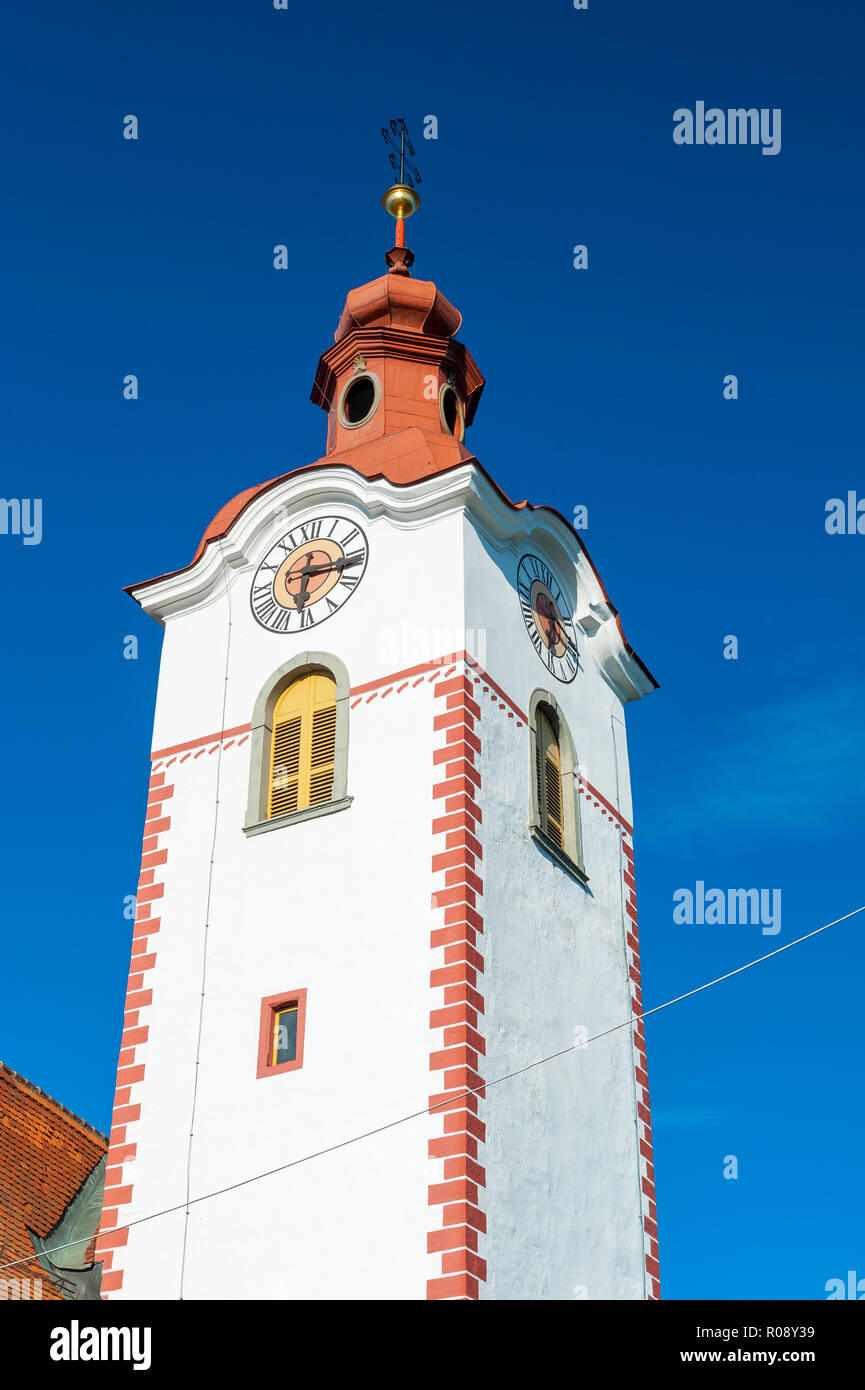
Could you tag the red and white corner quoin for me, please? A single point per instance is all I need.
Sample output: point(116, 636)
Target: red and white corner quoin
point(130, 1071)
point(458, 1002)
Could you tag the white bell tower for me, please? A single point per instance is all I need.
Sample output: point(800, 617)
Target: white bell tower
point(388, 858)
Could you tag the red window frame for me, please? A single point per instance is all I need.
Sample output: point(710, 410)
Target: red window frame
point(270, 1006)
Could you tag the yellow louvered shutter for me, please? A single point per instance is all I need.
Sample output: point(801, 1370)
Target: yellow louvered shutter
point(285, 766)
point(302, 752)
point(549, 782)
point(322, 744)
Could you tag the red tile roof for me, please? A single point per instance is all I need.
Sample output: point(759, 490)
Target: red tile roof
point(46, 1153)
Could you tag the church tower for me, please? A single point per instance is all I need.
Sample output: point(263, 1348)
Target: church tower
point(387, 866)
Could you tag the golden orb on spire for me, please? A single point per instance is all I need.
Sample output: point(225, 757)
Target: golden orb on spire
point(400, 201)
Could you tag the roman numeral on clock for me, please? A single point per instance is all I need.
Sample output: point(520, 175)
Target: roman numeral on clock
point(282, 622)
point(266, 610)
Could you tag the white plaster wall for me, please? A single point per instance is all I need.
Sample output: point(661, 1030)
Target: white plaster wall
point(562, 1200)
point(339, 905)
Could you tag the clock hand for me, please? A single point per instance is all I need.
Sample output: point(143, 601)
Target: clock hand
point(569, 645)
point(557, 632)
point(327, 569)
point(300, 597)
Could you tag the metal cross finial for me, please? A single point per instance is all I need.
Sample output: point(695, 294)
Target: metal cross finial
point(397, 137)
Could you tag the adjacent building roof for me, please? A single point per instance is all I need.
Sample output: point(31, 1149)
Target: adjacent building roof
point(47, 1156)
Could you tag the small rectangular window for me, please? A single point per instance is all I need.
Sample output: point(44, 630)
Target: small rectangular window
point(281, 1032)
point(284, 1035)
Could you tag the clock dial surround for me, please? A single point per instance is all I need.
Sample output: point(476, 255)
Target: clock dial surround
point(308, 574)
point(545, 612)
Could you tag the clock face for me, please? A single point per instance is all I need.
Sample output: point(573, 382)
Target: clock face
point(545, 609)
point(309, 574)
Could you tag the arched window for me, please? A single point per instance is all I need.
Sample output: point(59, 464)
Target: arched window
point(302, 745)
point(554, 820)
point(299, 744)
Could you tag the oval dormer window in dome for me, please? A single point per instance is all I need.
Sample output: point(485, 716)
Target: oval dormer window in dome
point(451, 411)
point(359, 400)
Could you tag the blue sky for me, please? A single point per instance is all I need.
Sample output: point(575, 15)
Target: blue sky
point(604, 388)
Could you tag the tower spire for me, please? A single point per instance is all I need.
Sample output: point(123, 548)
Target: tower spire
point(401, 199)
